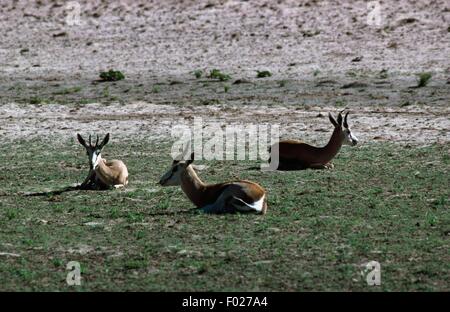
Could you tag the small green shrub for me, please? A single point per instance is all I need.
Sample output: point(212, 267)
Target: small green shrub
point(263, 74)
point(217, 74)
point(198, 74)
point(36, 100)
point(423, 80)
point(112, 75)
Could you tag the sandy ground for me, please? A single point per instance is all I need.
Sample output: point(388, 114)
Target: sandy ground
point(324, 56)
point(416, 125)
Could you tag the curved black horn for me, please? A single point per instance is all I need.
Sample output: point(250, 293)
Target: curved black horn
point(345, 120)
point(90, 144)
point(96, 142)
point(339, 118)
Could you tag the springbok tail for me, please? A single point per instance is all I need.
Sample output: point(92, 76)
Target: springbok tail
point(241, 205)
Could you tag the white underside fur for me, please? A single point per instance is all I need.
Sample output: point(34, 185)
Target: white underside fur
point(235, 203)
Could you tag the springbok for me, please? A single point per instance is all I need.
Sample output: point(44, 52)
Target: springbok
point(102, 173)
point(229, 197)
point(297, 155)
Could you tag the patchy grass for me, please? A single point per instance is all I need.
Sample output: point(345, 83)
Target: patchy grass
point(382, 202)
point(69, 90)
point(198, 73)
point(423, 79)
point(340, 103)
point(112, 75)
point(156, 89)
point(36, 100)
point(217, 74)
point(383, 74)
point(282, 83)
point(263, 74)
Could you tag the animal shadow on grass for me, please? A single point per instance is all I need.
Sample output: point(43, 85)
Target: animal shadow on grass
point(91, 187)
point(67, 189)
point(289, 167)
point(192, 211)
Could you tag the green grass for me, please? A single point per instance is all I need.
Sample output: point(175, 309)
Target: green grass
point(263, 74)
point(282, 83)
point(112, 75)
point(217, 74)
point(381, 202)
point(69, 90)
point(198, 73)
point(423, 79)
point(156, 89)
point(36, 100)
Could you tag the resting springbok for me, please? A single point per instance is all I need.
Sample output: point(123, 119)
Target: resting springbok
point(102, 173)
point(229, 197)
point(297, 155)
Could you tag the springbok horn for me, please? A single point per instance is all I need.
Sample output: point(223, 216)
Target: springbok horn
point(345, 120)
point(96, 143)
point(90, 140)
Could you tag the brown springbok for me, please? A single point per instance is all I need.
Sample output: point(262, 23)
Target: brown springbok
point(229, 197)
point(102, 173)
point(297, 155)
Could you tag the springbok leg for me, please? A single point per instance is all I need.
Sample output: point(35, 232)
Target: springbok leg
point(88, 179)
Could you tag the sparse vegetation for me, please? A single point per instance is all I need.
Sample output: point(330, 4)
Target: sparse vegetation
point(106, 92)
point(340, 103)
point(198, 74)
point(405, 103)
point(383, 74)
point(69, 90)
point(217, 74)
point(423, 79)
point(263, 74)
point(209, 101)
point(36, 100)
point(156, 89)
point(112, 75)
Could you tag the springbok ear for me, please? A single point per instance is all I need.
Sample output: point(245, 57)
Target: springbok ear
point(191, 160)
point(333, 121)
point(81, 140)
point(104, 142)
point(345, 121)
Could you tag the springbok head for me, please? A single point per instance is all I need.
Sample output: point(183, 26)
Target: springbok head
point(342, 125)
point(173, 176)
point(93, 151)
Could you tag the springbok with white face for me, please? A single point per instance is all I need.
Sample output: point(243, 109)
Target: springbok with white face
point(297, 155)
point(103, 173)
point(229, 197)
